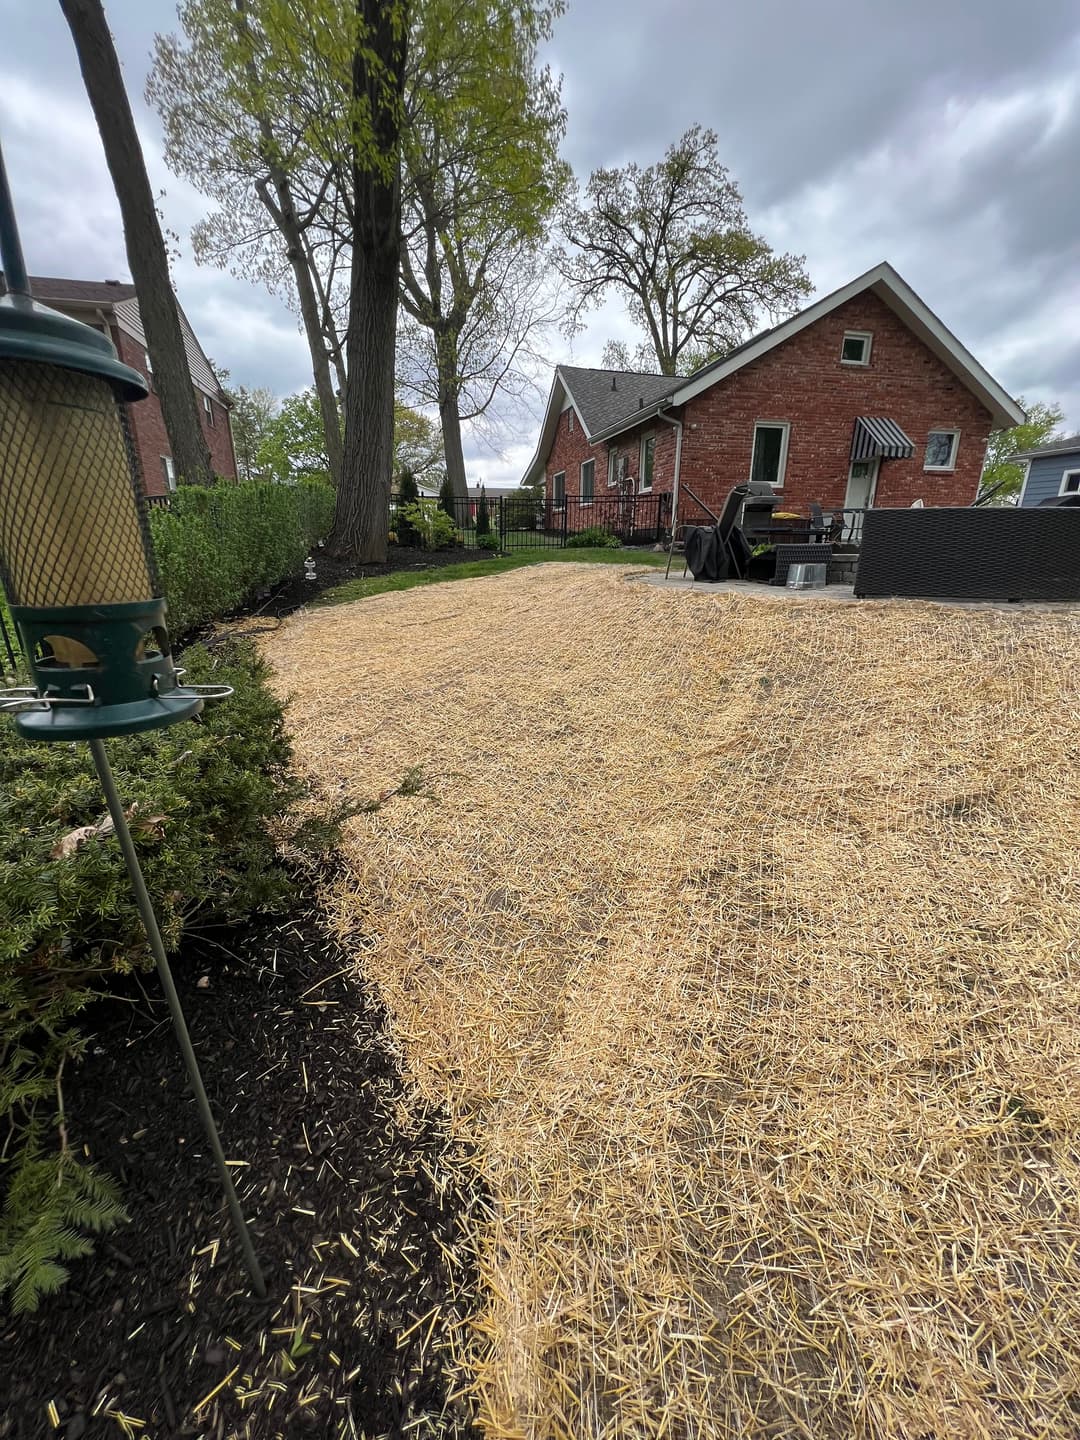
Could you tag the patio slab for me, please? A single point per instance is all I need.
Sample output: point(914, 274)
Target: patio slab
point(841, 594)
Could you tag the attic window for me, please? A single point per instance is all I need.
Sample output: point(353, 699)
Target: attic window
point(856, 347)
point(570, 418)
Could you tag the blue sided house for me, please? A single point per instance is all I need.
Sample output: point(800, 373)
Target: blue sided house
point(1052, 470)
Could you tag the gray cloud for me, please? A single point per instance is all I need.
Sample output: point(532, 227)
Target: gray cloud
point(941, 135)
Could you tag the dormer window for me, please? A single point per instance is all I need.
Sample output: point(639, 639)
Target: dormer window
point(856, 347)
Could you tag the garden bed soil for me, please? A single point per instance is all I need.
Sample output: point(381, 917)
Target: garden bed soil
point(291, 594)
point(356, 1219)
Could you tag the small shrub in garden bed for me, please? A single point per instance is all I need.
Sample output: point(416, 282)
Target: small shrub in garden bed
point(217, 545)
point(596, 537)
point(202, 799)
point(429, 523)
point(487, 542)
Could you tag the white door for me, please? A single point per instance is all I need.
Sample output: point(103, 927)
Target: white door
point(861, 488)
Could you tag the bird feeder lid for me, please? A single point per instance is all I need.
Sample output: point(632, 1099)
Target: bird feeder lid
point(34, 333)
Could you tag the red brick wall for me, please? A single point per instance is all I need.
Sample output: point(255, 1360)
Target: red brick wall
point(570, 448)
point(148, 424)
point(802, 382)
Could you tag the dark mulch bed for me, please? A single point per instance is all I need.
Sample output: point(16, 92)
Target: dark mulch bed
point(357, 1223)
point(291, 594)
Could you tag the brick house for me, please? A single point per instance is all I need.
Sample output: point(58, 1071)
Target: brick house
point(113, 307)
point(863, 398)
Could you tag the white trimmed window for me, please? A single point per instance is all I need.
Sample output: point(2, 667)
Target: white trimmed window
point(648, 461)
point(558, 490)
point(570, 418)
point(612, 465)
point(856, 347)
point(168, 469)
point(1070, 483)
point(769, 459)
point(941, 448)
point(588, 481)
point(208, 408)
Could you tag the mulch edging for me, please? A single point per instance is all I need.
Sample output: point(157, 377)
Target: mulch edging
point(357, 1222)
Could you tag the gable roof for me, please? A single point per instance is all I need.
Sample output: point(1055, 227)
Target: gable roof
point(1068, 444)
point(602, 419)
point(121, 298)
point(898, 295)
point(53, 288)
point(602, 397)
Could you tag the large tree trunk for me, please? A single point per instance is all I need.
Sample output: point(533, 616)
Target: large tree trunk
point(362, 518)
point(142, 234)
point(361, 523)
point(446, 357)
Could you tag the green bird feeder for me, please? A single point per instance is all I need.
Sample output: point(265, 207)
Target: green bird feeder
point(78, 569)
point(75, 553)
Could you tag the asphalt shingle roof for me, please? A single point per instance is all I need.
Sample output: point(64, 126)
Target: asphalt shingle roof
point(601, 405)
point(92, 292)
point(1053, 447)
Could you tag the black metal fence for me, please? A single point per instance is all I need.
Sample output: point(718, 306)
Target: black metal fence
point(516, 523)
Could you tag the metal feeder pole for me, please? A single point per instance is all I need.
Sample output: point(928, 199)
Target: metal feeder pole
point(153, 934)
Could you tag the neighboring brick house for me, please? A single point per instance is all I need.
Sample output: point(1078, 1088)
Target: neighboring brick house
point(113, 307)
point(864, 398)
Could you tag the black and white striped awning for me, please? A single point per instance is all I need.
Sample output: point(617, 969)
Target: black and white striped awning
point(875, 435)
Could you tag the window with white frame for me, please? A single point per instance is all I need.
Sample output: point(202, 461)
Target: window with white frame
point(941, 448)
point(648, 461)
point(168, 469)
point(856, 347)
point(613, 476)
point(208, 408)
point(769, 458)
point(588, 481)
point(558, 490)
point(570, 418)
point(1070, 483)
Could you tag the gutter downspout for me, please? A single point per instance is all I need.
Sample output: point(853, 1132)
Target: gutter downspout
point(678, 424)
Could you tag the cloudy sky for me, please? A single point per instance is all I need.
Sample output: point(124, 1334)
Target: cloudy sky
point(942, 135)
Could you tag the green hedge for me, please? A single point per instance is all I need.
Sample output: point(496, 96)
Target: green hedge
point(216, 546)
point(205, 800)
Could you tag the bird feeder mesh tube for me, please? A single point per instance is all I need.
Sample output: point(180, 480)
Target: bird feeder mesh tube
point(72, 519)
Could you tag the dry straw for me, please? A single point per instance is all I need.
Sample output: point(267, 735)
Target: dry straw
point(740, 939)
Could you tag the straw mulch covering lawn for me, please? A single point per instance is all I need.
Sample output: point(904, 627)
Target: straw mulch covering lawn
point(740, 939)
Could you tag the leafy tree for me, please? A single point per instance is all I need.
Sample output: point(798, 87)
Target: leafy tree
point(481, 177)
point(251, 419)
point(294, 447)
point(447, 498)
point(239, 126)
point(417, 444)
point(483, 517)
point(1040, 428)
point(147, 256)
point(674, 242)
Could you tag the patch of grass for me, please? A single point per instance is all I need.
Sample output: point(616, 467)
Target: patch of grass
point(472, 569)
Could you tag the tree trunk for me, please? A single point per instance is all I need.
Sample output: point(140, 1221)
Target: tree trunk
point(309, 314)
point(362, 519)
point(361, 523)
point(146, 253)
point(447, 362)
point(284, 216)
